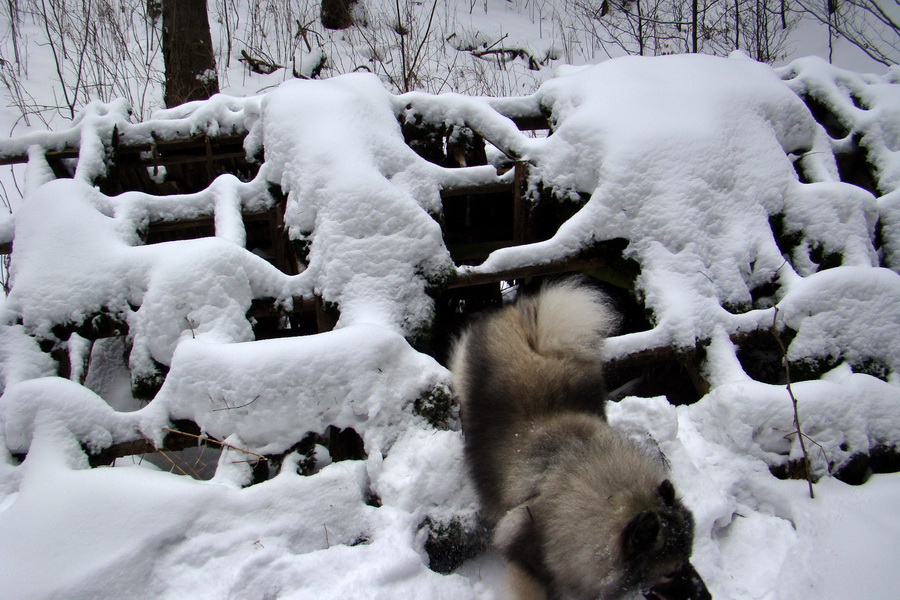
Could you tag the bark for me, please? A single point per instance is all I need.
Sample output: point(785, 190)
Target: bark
point(337, 14)
point(187, 52)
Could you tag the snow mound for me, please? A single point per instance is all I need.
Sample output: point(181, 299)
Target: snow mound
point(756, 202)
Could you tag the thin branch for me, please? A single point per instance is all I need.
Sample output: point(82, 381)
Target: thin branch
point(488, 48)
point(401, 31)
point(211, 440)
point(172, 462)
point(797, 428)
point(415, 60)
point(812, 441)
point(226, 407)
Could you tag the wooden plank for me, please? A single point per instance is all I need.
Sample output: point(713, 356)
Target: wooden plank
point(531, 122)
point(197, 142)
point(15, 159)
point(521, 208)
point(477, 190)
point(183, 434)
point(210, 170)
point(468, 252)
point(183, 159)
point(470, 278)
point(183, 229)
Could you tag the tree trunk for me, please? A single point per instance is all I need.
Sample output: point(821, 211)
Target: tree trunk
point(695, 21)
point(187, 52)
point(337, 14)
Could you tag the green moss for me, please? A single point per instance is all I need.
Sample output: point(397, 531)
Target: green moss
point(822, 257)
point(811, 367)
point(437, 279)
point(737, 308)
point(873, 367)
point(791, 469)
point(449, 544)
point(814, 367)
point(437, 406)
point(146, 386)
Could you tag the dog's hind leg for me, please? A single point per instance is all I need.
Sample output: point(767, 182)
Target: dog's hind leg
point(522, 586)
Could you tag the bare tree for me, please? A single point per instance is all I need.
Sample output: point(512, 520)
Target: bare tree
point(98, 50)
point(872, 26)
point(763, 27)
point(187, 52)
point(410, 42)
point(652, 27)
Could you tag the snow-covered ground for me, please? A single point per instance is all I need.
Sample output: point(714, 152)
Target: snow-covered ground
point(688, 157)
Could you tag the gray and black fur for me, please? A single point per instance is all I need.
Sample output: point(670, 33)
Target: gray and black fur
point(579, 511)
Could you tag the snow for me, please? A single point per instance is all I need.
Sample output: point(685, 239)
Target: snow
point(21, 358)
point(194, 288)
point(686, 157)
point(855, 319)
point(360, 376)
point(361, 189)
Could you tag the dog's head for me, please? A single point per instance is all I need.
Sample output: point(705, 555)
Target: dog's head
point(581, 550)
point(656, 550)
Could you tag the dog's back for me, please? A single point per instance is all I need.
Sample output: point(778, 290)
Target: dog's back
point(530, 360)
point(540, 355)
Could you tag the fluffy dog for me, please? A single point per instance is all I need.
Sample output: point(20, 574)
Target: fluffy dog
point(579, 511)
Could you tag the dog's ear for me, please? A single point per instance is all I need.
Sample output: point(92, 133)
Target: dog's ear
point(515, 536)
point(667, 493)
point(641, 533)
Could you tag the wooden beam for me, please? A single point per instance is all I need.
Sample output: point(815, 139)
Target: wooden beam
point(467, 279)
point(521, 206)
point(476, 190)
point(15, 159)
point(182, 435)
point(531, 122)
point(196, 142)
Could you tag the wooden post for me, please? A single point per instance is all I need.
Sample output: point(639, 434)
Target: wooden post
point(210, 171)
point(285, 258)
point(522, 229)
point(326, 316)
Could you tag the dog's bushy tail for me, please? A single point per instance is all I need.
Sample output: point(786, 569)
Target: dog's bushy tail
point(568, 318)
point(541, 354)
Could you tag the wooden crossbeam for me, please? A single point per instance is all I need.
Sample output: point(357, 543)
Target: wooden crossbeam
point(164, 148)
point(472, 278)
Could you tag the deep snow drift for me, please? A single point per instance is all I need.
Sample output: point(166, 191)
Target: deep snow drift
point(690, 158)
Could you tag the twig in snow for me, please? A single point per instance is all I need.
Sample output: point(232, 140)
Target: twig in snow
point(797, 428)
point(227, 407)
point(812, 441)
point(174, 464)
point(208, 439)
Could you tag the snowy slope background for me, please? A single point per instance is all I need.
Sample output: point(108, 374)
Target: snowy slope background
point(688, 157)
